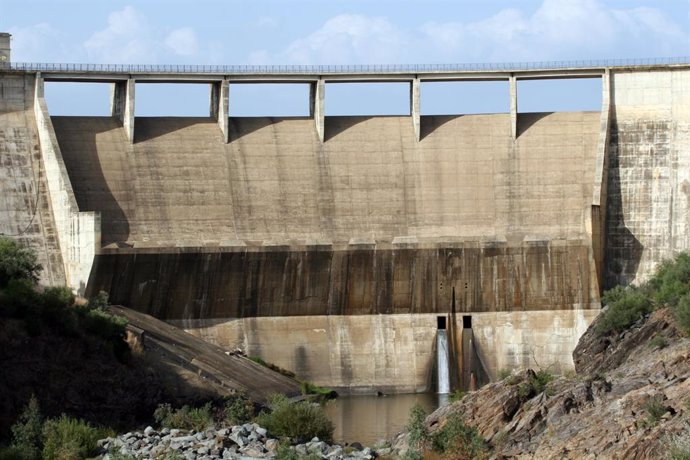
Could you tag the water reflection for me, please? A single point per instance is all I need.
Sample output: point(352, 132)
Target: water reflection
point(368, 419)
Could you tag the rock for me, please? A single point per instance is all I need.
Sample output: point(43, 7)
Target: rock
point(271, 445)
point(149, 431)
point(263, 432)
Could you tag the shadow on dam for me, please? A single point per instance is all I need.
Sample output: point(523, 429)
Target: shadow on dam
point(79, 139)
point(623, 249)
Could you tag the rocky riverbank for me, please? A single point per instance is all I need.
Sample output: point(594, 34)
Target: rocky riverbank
point(628, 400)
point(248, 441)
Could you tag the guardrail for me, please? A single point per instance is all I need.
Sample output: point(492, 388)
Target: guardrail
point(339, 69)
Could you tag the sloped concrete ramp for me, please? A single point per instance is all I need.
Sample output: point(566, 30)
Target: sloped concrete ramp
point(200, 363)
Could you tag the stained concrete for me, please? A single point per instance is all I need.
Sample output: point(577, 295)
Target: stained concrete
point(649, 173)
point(354, 233)
point(25, 208)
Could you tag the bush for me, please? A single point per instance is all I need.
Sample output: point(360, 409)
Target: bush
point(682, 312)
point(655, 409)
point(237, 410)
point(299, 421)
point(68, 438)
point(671, 280)
point(658, 341)
point(456, 437)
point(626, 305)
point(184, 418)
point(17, 263)
point(416, 426)
point(27, 432)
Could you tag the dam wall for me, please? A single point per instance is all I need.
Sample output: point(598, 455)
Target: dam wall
point(649, 173)
point(338, 246)
point(265, 242)
point(26, 214)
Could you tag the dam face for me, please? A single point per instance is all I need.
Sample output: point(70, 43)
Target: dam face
point(336, 246)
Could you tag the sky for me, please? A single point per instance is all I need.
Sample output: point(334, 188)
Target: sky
point(340, 32)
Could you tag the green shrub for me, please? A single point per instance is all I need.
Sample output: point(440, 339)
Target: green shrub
point(14, 453)
point(682, 312)
point(308, 388)
point(184, 418)
point(456, 437)
point(237, 410)
point(27, 432)
point(671, 280)
point(299, 421)
point(655, 409)
point(417, 428)
point(68, 438)
point(625, 306)
point(456, 396)
point(17, 263)
point(658, 341)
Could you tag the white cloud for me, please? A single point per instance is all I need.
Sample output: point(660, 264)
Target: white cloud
point(348, 38)
point(556, 30)
point(126, 39)
point(182, 41)
point(36, 43)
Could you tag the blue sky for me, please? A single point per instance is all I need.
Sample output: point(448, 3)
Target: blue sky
point(341, 32)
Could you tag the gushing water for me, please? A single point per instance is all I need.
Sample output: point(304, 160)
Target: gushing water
point(442, 362)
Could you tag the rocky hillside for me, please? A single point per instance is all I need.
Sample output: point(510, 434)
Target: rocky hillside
point(630, 394)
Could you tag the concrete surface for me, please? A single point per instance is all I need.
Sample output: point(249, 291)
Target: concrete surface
point(25, 207)
point(331, 244)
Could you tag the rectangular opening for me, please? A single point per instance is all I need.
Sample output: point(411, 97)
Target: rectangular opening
point(466, 322)
point(441, 323)
point(172, 99)
point(269, 99)
point(464, 97)
point(353, 99)
point(78, 99)
point(559, 95)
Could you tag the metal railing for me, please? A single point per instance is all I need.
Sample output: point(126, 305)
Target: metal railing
point(342, 69)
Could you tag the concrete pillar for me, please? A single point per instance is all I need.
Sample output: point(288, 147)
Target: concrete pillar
point(415, 107)
point(5, 49)
point(513, 106)
point(219, 106)
point(122, 105)
point(317, 92)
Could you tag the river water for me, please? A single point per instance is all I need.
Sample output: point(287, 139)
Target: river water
point(368, 419)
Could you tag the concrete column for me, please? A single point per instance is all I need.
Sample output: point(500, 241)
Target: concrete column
point(5, 49)
point(219, 106)
point(513, 106)
point(317, 92)
point(122, 105)
point(414, 107)
point(602, 145)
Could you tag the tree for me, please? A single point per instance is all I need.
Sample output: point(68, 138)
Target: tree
point(17, 262)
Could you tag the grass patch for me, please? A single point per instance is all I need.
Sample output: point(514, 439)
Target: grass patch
point(655, 409)
point(626, 305)
point(68, 438)
point(658, 341)
point(184, 418)
point(273, 367)
point(299, 421)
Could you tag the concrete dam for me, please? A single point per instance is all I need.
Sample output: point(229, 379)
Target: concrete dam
point(337, 247)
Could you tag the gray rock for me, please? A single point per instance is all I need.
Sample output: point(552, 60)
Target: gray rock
point(271, 445)
point(263, 432)
point(148, 431)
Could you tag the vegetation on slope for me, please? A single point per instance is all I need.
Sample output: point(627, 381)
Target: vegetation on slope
point(71, 355)
point(669, 287)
